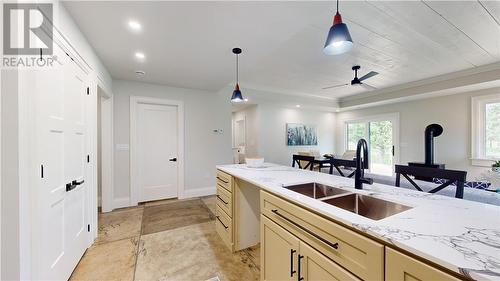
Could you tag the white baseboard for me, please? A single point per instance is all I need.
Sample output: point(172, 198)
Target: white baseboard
point(121, 202)
point(198, 192)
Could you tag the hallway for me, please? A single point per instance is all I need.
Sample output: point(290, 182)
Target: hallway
point(164, 240)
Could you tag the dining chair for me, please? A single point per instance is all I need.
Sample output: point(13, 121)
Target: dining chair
point(343, 164)
point(450, 177)
point(309, 153)
point(303, 161)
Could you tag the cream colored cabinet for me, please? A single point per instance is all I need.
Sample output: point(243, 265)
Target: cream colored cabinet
point(279, 252)
point(286, 257)
point(399, 267)
point(299, 244)
point(354, 252)
point(313, 265)
point(224, 208)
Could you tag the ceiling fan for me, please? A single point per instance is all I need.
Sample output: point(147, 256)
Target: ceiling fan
point(356, 80)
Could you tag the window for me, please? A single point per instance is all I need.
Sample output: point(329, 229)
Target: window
point(485, 129)
point(355, 131)
point(492, 130)
point(380, 132)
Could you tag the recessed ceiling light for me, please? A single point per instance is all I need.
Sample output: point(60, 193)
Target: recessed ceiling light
point(245, 99)
point(140, 73)
point(297, 105)
point(140, 55)
point(134, 25)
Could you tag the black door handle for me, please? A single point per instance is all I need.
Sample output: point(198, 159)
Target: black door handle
point(70, 186)
point(77, 182)
point(172, 159)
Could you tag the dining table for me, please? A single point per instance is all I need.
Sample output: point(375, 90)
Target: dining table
point(332, 162)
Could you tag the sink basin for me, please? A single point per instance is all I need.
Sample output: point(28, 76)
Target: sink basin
point(316, 190)
point(367, 206)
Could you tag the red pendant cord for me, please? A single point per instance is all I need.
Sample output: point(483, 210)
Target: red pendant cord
point(337, 18)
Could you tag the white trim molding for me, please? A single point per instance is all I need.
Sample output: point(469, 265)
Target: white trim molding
point(121, 202)
point(134, 101)
point(481, 162)
point(478, 129)
point(198, 192)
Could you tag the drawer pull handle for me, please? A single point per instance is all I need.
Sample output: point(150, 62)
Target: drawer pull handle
point(299, 278)
point(222, 180)
point(292, 251)
point(220, 198)
point(226, 227)
point(333, 245)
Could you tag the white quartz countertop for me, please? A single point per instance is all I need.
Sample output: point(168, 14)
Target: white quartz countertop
point(460, 235)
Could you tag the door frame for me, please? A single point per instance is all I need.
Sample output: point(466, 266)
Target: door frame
point(393, 117)
point(134, 102)
point(105, 98)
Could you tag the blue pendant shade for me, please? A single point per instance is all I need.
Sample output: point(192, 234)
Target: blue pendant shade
point(339, 40)
point(237, 97)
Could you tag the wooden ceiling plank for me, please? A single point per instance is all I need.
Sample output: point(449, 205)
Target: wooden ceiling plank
point(436, 30)
point(492, 8)
point(378, 19)
point(471, 17)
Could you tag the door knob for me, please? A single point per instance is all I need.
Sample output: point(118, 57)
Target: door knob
point(172, 159)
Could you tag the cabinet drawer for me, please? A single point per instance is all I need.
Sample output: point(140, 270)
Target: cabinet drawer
point(224, 200)
point(356, 253)
point(399, 266)
point(224, 227)
point(225, 180)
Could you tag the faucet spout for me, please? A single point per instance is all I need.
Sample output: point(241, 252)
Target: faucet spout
point(361, 165)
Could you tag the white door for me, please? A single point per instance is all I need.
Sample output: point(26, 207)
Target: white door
point(157, 151)
point(60, 224)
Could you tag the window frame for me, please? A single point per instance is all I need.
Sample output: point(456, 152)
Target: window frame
point(478, 129)
point(393, 117)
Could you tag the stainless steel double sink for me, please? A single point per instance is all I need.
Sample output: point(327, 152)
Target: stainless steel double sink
point(363, 205)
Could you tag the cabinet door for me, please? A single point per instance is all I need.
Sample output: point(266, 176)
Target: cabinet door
point(279, 251)
point(315, 266)
point(402, 267)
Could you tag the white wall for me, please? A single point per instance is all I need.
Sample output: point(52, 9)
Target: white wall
point(10, 254)
point(203, 149)
point(453, 112)
point(71, 31)
point(272, 131)
point(270, 116)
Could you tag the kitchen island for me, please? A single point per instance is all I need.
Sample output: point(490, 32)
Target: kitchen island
point(455, 239)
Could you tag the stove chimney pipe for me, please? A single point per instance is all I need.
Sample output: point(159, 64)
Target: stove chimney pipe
point(431, 131)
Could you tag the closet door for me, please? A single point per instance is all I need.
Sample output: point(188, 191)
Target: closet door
point(59, 203)
point(75, 91)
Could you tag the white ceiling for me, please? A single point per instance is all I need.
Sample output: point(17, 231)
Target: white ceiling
point(188, 44)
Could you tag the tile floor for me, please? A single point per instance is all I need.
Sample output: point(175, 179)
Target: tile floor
point(164, 240)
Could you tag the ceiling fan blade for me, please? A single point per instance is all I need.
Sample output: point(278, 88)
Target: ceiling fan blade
point(368, 87)
point(368, 75)
point(336, 86)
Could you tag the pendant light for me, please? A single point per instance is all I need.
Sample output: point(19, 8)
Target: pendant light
point(237, 97)
point(339, 40)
